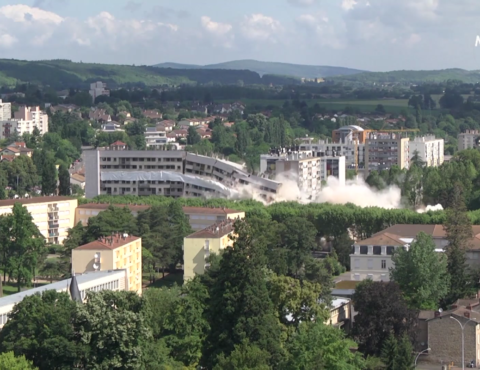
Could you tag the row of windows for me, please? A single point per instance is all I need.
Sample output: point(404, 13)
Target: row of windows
point(377, 250)
point(111, 285)
point(108, 159)
point(383, 264)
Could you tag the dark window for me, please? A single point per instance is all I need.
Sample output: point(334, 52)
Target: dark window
point(384, 264)
point(377, 249)
point(363, 249)
point(390, 250)
point(353, 249)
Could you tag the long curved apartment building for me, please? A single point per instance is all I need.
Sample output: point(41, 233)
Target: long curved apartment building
point(172, 173)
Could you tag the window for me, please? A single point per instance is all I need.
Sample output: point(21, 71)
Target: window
point(363, 249)
point(370, 264)
point(377, 250)
point(390, 250)
point(384, 264)
point(357, 264)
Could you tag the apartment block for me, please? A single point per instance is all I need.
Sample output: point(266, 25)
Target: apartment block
point(25, 120)
point(155, 138)
point(198, 246)
point(349, 133)
point(468, 140)
point(384, 150)
point(114, 280)
point(98, 89)
point(118, 251)
point(199, 217)
point(429, 148)
point(52, 215)
point(5, 111)
point(345, 149)
point(171, 173)
point(372, 258)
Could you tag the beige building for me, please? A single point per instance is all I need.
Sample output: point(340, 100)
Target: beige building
point(198, 246)
point(5, 110)
point(98, 89)
point(340, 312)
point(119, 251)
point(468, 140)
point(384, 150)
point(199, 217)
point(52, 215)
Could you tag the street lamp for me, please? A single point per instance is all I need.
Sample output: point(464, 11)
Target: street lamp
point(463, 338)
point(419, 353)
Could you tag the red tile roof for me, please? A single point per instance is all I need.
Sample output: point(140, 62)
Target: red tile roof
point(109, 242)
point(11, 202)
point(118, 143)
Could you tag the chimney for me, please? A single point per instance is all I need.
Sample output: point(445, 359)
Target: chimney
point(469, 307)
point(466, 314)
point(437, 314)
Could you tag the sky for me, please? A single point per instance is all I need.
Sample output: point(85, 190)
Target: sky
point(373, 35)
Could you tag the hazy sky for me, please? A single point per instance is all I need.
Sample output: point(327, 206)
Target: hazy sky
point(376, 35)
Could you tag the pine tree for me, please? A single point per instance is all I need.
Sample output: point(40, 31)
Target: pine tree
point(64, 180)
point(403, 359)
point(459, 233)
point(389, 352)
point(49, 175)
point(239, 306)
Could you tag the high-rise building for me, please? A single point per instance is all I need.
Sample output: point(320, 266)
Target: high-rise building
point(118, 251)
point(5, 111)
point(384, 150)
point(345, 149)
point(98, 89)
point(25, 120)
point(430, 150)
point(468, 140)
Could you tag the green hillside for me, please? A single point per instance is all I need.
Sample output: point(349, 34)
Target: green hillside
point(63, 74)
point(412, 76)
point(273, 68)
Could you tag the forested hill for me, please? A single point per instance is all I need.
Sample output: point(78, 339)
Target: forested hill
point(271, 68)
point(412, 76)
point(64, 74)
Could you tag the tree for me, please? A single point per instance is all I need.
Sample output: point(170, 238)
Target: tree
point(8, 361)
point(39, 328)
point(49, 175)
point(52, 269)
point(320, 346)
point(112, 326)
point(421, 273)
point(390, 352)
point(239, 306)
point(64, 180)
point(193, 137)
point(380, 109)
point(112, 220)
point(381, 311)
point(404, 358)
point(23, 245)
point(244, 357)
point(459, 233)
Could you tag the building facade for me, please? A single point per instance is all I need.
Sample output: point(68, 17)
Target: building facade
point(25, 120)
point(90, 282)
point(98, 89)
point(155, 138)
point(344, 149)
point(468, 140)
point(5, 111)
point(198, 246)
point(349, 133)
point(119, 251)
point(372, 258)
point(52, 215)
point(172, 173)
point(429, 148)
point(384, 150)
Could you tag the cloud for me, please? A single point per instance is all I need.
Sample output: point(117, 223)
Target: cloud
point(348, 4)
point(215, 27)
point(320, 30)
point(259, 27)
point(7, 40)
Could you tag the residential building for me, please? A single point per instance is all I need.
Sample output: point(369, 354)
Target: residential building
point(166, 125)
point(197, 247)
point(167, 172)
point(340, 312)
point(429, 149)
point(77, 179)
point(16, 149)
point(99, 115)
point(118, 251)
point(5, 111)
point(89, 282)
point(25, 120)
point(468, 140)
point(152, 114)
point(98, 89)
point(303, 167)
point(372, 258)
point(384, 150)
point(155, 138)
point(329, 149)
point(52, 215)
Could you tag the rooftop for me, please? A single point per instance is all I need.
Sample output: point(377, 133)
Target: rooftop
point(109, 242)
point(11, 202)
point(218, 230)
point(142, 207)
point(59, 285)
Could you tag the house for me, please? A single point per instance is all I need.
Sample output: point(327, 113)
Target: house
point(118, 145)
point(114, 252)
point(99, 115)
point(372, 257)
point(178, 134)
point(152, 114)
point(198, 246)
point(205, 134)
point(228, 124)
point(155, 138)
point(78, 179)
point(166, 125)
point(111, 127)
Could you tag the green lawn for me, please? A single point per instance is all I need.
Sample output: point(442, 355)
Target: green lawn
point(167, 282)
point(11, 288)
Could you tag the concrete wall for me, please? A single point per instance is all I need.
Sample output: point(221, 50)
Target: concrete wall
point(445, 340)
